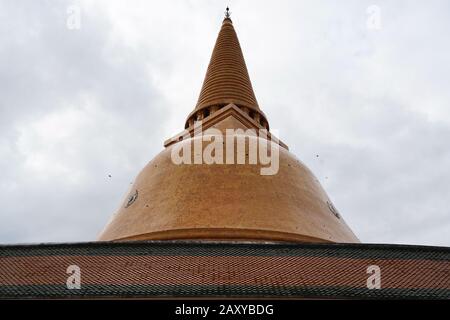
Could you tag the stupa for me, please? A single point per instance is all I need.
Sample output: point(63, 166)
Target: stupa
point(227, 201)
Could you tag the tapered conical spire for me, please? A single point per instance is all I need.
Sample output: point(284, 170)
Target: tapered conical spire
point(227, 80)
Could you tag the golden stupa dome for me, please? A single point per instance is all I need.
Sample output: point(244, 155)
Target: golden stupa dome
point(227, 200)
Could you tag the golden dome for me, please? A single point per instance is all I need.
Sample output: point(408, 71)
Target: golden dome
point(219, 202)
point(222, 201)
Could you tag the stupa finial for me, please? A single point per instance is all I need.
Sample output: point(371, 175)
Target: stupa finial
point(227, 13)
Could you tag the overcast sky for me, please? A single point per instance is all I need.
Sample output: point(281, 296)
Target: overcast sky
point(363, 84)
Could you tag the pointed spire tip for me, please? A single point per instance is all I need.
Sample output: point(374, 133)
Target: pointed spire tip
point(227, 13)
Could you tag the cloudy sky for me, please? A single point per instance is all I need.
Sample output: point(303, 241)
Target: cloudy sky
point(87, 100)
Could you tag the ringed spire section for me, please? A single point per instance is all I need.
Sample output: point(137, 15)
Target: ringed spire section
point(227, 80)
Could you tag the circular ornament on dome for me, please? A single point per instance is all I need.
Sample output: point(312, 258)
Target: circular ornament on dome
point(132, 199)
point(333, 210)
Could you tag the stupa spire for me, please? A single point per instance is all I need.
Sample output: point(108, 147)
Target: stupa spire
point(227, 79)
point(227, 200)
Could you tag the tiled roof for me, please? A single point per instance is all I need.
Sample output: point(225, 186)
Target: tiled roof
point(199, 269)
